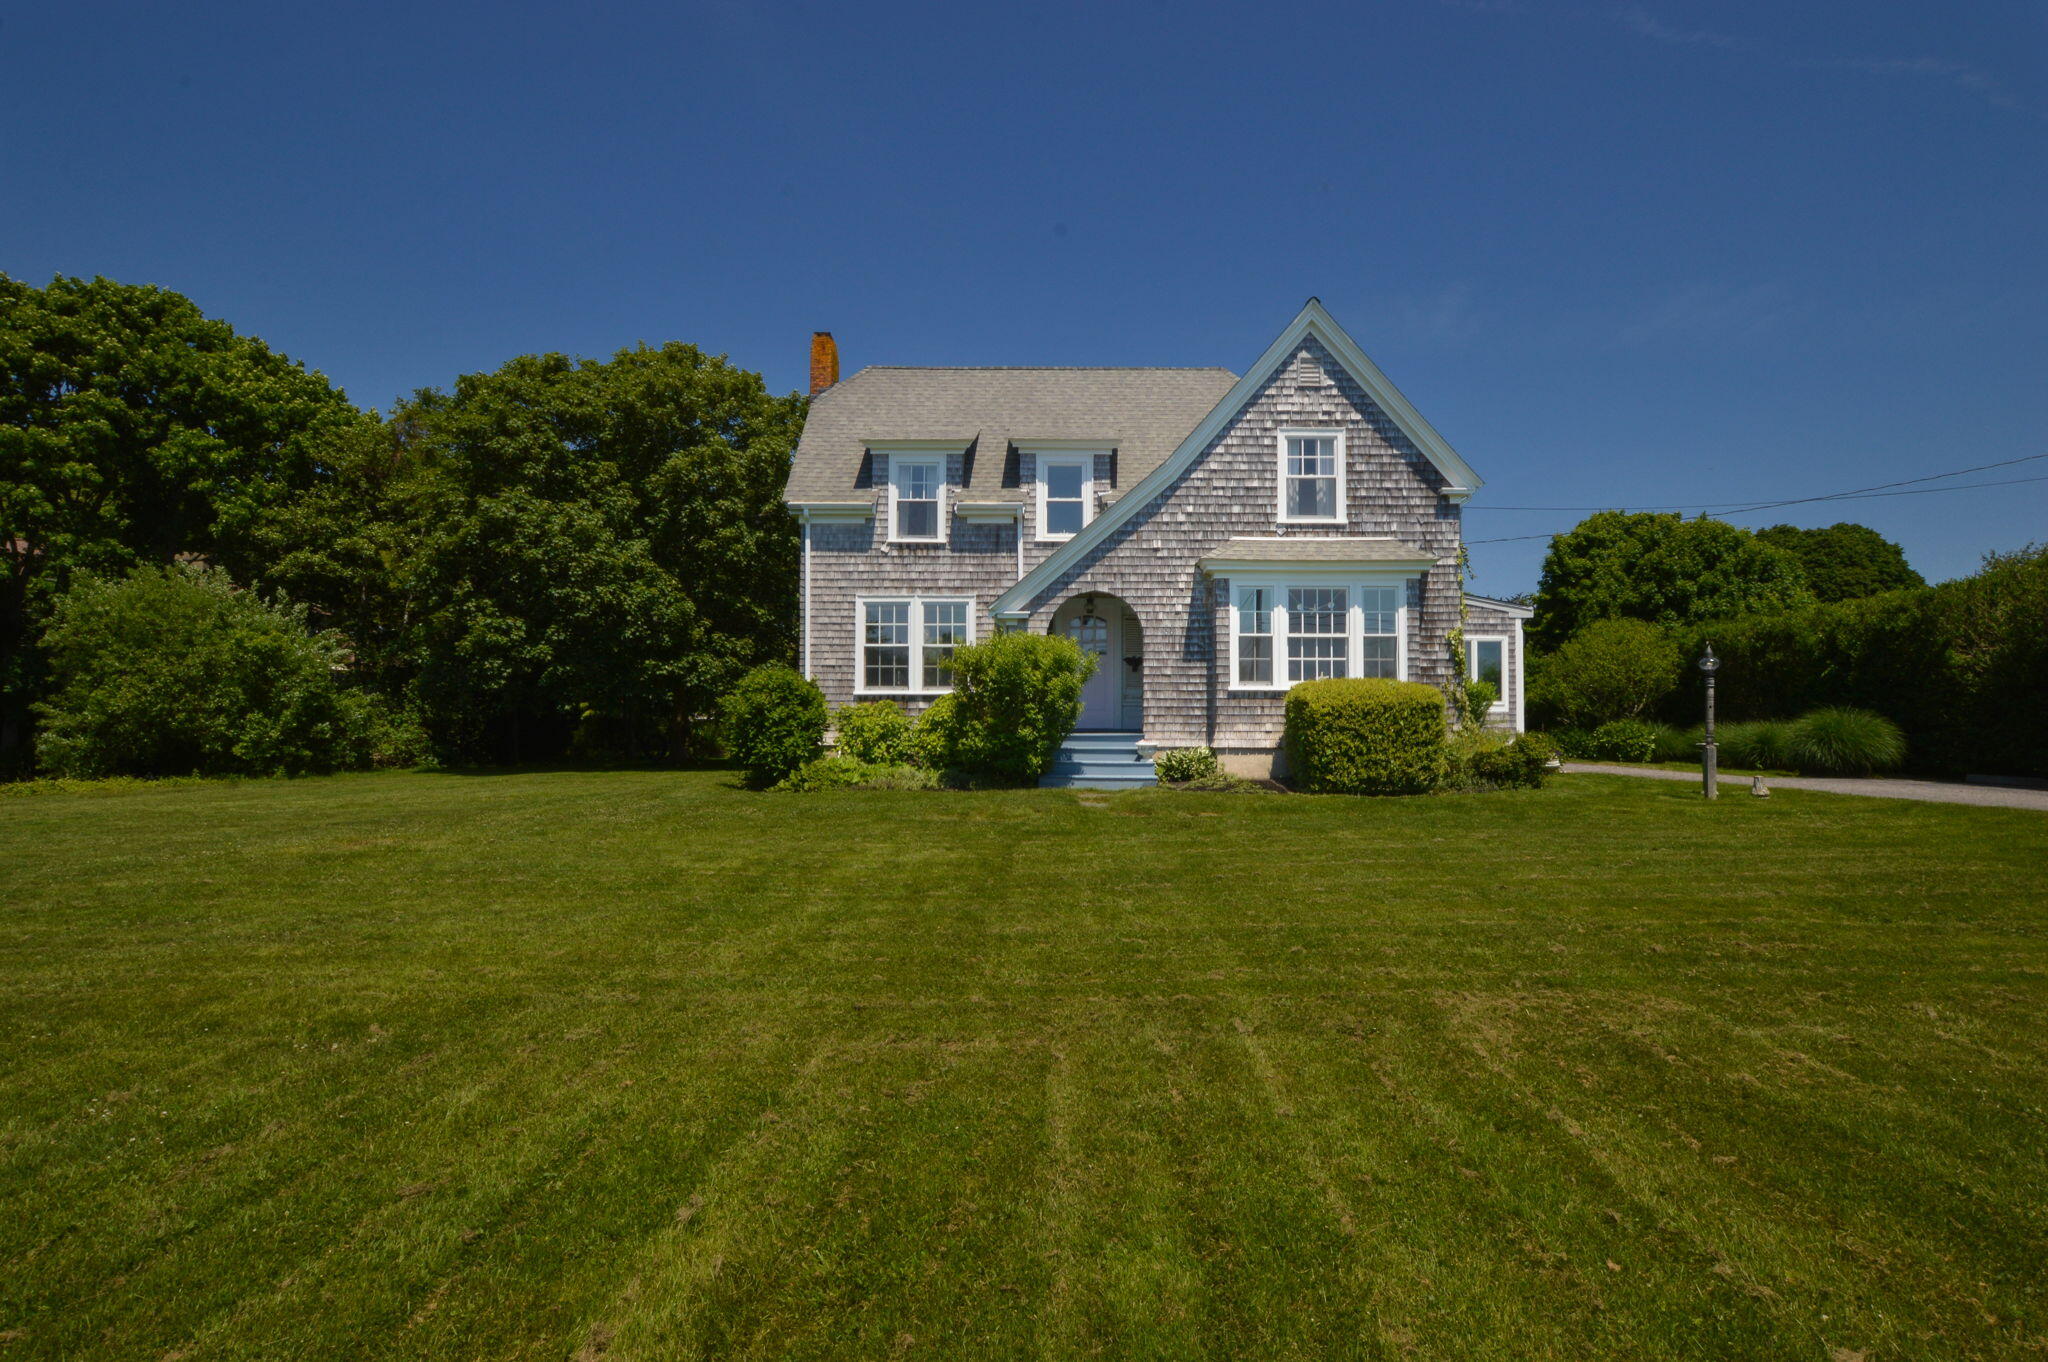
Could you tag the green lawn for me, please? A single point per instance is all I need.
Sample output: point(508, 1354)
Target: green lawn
point(639, 1065)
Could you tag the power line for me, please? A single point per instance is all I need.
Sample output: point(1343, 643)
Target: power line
point(1737, 507)
point(1835, 496)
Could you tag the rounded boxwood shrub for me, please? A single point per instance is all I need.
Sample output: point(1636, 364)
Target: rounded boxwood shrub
point(1362, 735)
point(774, 722)
point(1848, 742)
point(876, 732)
point(1185, 764)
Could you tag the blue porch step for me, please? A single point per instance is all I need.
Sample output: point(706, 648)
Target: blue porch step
point(1099, 761)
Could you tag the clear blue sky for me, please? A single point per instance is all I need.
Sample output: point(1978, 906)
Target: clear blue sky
point(1621, 255)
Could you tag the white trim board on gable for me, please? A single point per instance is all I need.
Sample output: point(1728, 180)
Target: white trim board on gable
point(1313, 320)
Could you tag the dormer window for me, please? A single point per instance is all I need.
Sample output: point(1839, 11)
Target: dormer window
point(1066, 494)
point(1312, 477)
point(916, 496)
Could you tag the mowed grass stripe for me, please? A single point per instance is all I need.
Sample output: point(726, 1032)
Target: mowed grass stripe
point(639, 1064)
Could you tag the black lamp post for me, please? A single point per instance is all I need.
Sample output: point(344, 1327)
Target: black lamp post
point(1710, 755)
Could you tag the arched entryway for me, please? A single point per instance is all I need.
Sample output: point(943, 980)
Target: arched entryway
point(1114, 698)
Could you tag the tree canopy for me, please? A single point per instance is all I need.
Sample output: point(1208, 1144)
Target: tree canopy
point(1844, 561)
point(564, 554)
point(1662, 569)
point(561, 550)
point(135, 430)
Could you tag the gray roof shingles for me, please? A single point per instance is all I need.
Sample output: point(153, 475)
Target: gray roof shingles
point(1143, 414)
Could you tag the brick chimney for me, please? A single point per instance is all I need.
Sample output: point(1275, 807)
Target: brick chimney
point(824, 362)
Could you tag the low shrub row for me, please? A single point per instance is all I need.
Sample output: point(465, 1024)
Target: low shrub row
point(1829, 741)
point(1015, 698)
point(1369, 736)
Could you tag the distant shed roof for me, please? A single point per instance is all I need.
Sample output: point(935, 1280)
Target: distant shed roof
point(1141, 413)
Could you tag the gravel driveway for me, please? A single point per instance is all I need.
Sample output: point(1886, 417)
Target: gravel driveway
point(1882, 787)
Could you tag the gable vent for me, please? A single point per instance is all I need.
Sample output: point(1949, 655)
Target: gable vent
point(1307, 373)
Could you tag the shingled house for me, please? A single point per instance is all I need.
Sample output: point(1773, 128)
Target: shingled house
point(1213, 538)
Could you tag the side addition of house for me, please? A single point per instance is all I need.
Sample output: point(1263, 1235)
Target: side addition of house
point(1212, 538)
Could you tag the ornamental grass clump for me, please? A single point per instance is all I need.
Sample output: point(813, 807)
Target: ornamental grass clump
point(1760, 744)
point(1361, 735)
point(1845, 742)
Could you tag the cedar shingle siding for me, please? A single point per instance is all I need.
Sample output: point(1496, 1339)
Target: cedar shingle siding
point(1232, 489)
point(1150, 560)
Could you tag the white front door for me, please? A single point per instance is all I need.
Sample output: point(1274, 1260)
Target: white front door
point(1102, 696)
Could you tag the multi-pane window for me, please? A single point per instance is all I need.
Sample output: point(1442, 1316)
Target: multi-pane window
point(1063, 497)
point(907, 644)
point(1281, 633)
point(1488, 663)
point(885, 649)
point(918, 484)
point(1309, 480)
point(1255, 636)
point(945, 628)
point(1318, 632)
point(1379, 616)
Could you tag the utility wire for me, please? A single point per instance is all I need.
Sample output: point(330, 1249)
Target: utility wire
point(1740, 506)
point(1771, 505)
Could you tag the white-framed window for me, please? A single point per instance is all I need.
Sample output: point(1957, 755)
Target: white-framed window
point(1318, 632)
point(1288, 628)
point(1311, 477)
point(1066, 494)
point(1379, 631)
point(1486, 659)
point(917, 499)
point(904, 644)
point(1254, 651)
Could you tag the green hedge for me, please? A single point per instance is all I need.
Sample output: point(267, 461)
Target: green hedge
point(774, 722)
point(1366, 736)
point(1960, 667)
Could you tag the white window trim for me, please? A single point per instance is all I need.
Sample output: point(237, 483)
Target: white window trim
point(917, 605)
point(1085, 461)
point(1472, 642)
point(1333, 434)
point(901, 461)
point(1354, 654)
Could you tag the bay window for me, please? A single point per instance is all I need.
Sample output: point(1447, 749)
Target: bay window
point(1283, 632)
point(906, 643)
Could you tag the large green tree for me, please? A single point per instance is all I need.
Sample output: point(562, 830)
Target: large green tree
point(135, 430)
point(1660, 568)
point(1845, 561)
point(562, 550)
